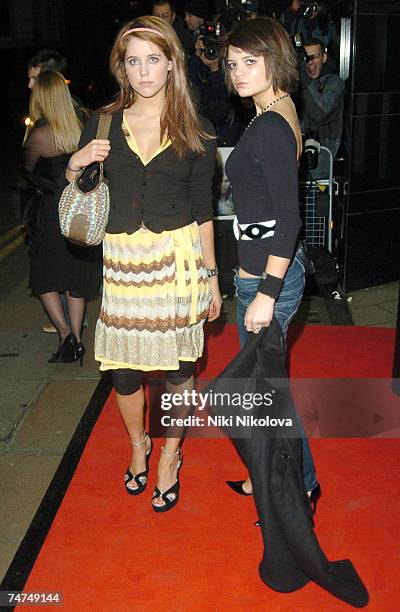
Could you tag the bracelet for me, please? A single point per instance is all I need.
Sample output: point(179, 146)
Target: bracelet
point(212, 272)
point(270, 285)
point(72, 170)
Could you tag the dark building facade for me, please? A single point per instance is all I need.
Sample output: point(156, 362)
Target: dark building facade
point(26, 23)
point(370, 243)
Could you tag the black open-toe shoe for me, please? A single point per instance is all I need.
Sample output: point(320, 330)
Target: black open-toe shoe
point(171, 496)
point(141, 478)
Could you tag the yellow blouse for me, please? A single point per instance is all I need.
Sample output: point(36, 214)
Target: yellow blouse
point(133, 144)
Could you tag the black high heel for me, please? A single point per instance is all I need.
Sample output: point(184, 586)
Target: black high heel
point(237, 486)
point(314, 497)
point(171, 496)
point(141, 478)
point(66, 352)
point(80, 352)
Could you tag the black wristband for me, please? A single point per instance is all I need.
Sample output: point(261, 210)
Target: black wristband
point(270, 285)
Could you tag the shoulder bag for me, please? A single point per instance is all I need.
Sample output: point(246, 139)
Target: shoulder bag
point(85, 203)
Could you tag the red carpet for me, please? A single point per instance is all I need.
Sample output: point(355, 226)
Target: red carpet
point(107, 551)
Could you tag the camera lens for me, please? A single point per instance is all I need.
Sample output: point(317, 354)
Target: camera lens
point(210, 52)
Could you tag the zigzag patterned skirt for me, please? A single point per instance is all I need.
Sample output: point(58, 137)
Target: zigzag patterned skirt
point(155, 300)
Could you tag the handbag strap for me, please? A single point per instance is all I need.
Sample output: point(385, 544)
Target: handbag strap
point(103, 127)
point(102, 133)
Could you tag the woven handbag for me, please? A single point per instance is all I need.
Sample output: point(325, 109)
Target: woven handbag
point(85, 203)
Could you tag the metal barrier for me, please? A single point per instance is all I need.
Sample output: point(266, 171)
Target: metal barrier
point(317, 227)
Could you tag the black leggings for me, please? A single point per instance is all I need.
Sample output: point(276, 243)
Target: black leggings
point(127, 381)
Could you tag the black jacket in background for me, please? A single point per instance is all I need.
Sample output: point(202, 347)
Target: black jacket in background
point(186, 38)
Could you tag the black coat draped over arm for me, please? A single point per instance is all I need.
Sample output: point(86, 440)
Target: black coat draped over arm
point(273, 456)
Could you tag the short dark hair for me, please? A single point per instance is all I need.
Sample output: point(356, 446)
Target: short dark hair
point(266, 36)
point(315, 41)
point(198, 8)
point(170, 2)
point(48, 59)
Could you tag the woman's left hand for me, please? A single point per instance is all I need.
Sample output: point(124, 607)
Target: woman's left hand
point(259, 313)
point(216, 301)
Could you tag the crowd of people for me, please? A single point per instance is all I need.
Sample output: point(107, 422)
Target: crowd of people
point(319, 99)
point(320, 95)
point(177, 102)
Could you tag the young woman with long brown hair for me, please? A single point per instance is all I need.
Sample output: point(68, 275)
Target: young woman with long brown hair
point(160, 277)
point(57, 266)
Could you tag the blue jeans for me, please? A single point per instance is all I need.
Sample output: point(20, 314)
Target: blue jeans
point(285, 308)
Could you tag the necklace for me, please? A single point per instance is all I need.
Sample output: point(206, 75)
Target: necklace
point(262, 111)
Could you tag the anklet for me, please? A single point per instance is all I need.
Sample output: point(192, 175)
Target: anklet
point(140, 443)
point(170, 454)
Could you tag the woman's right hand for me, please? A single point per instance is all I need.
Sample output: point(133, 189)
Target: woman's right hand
point(95, 151)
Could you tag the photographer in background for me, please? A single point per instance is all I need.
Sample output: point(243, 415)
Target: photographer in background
point(196, 13)
point(310, 19)
point(322, 94)
point(300, 17)
point(165, 9)
point(229, 114)
point(195, 16)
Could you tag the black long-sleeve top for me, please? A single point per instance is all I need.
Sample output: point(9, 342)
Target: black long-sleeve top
point(165, 194)
point(263, 172)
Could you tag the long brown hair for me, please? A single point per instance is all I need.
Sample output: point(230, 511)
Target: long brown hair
point(50, 100)
point(266, 36)
point(179, 120)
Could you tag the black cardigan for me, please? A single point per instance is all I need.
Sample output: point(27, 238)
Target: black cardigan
point(166, 194)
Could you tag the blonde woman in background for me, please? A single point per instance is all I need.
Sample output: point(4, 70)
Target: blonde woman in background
point(57, 266)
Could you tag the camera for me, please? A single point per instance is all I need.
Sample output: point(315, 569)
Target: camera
point(237, 10)
point(298, 44)
point(309, 7)
point(312, 149)
point(210, 34)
